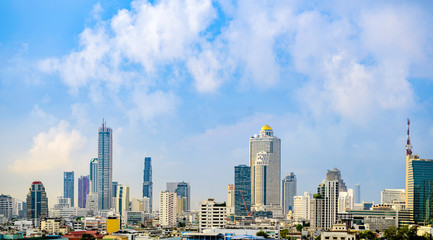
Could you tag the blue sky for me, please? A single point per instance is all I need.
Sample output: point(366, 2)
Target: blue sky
point(188, 82)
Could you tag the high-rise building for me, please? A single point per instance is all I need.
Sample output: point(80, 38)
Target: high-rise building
point(212, 215)
point(37, 202)
point(242, 190)
point(288, 192)
point(265, 152)
point(335, 174)
point(346, 200)
point(167, 209)
point(389, 196)
point(83, 190)
point(301, 207)
point(182, 190)
point(93, 177)
point(122, 199)
point(105, 166)
point(324, 205)
point(230, 199)
point(147, 180)
point(6, 206)
point(357, 193)
point(68, 186)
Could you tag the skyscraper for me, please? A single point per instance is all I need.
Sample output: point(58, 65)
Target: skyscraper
point(93, 177)
point(335, 174)
point(324, 205)
point(242, 190)
point(68, 186)
point(288, 192)
point(167, 208)
point(357, 193)
point(147, 180)
point(182, 189)
point(265, 152)
point(37, 202)
point(6, 206)
point(83, 190)
point(105, 166)
point(231, 199)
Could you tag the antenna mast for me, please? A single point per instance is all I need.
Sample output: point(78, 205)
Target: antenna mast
point(408, 146)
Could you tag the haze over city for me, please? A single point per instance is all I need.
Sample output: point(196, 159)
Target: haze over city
point(189, 82)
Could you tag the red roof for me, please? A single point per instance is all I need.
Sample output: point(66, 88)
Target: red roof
point(77, 234)
point(37, 182)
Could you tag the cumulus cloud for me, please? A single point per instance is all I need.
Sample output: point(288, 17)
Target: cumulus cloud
point(50, 150)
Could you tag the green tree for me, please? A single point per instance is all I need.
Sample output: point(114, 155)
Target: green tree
point(318, 237)
point(299, 227)
point(368, 235)
point(87, 236)
point(284, 232)
point(262, 233)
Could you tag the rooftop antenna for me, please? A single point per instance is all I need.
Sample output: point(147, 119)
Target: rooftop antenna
point(408, 146)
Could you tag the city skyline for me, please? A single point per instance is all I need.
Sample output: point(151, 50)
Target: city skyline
point(195, 95)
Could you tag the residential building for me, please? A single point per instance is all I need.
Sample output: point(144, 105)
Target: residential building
point(346, 200)
point(6, 206)
point(242, 190)
point(37, 202)
point(122, 199)
point(389, 196)
point(267, 147)
point(301, 207)
point(335, 174)
point(93, 177)
point(83, 190)
point(167, 209)
point(51, 226)
point(288, 192)
point(324, 205)
point(105, 166)
point(147, 180)
point(182, 190)
point(212, 215)
point(230, 199)
point(68, 186)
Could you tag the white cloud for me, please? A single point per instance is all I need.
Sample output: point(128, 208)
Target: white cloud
point(51, 150)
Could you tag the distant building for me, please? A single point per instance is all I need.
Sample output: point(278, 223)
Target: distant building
point(6, 207)
point(122, 199)
point(288, 192)
point(62, 202)
point(68, 186)
point(37, 202)
point(230, 199)
point(335, 174)
point(389, 196)
point(301, 207)
point(93, 177)
point(83, 190)
point(140, 205)
point(182, 190)
point(212, 215)
point(92, 201)
point(242, 190)
point(346, 200)
point(147, 180)
point(324, 205)
point(105, 167)
point(167, 209)
point(338, 231)
point(357, 193)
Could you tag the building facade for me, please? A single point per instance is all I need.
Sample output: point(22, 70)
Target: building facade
point(182, 190)
point(68, 186)
point(242, 190)
point(167, 209)
point(389, 196)
point(212, 215)
point(288, 192)
point(122, 199)
point(83, 190)
point(93, 177)
point(346, 200)
point(37, 202)
point(357, 193)
point(147, 180)
point(6, 206)
point(105, 167)
point(301, 207)
point(324, 205)
point(230, 199)
point(265, 145)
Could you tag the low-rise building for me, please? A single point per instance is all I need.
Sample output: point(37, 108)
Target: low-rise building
point(212, 214)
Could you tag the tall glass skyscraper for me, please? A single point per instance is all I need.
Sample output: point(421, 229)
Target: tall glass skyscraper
point(288, 192)
point(83, 190)
point(357, 193)
point(93, 177)
point(147, 180)
point(68, 186)
point(182, 189)
point(105, 166)
point(37, 202)
point(242, 190)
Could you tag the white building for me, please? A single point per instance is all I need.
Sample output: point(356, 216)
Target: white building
point(301, 207)
point(389, 196)
point(324, 206)
point(167, 208)
point(270, 145)
point(346, 200)
point(52, 226)
point(212, 215)
point(92, 201)
point(122, 199)
point(231, 199)
point(338, 232)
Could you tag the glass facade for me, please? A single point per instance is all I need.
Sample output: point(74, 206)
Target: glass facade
point(105, 167)
point(147, 180)
point(83, 190)
point(93, 178)
point(37, 201)
point(68, 186)
point(181, 189)
point(242, 190)
point(420, 190)
point(288, 192)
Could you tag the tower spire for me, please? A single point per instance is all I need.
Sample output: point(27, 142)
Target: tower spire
point(408, 145)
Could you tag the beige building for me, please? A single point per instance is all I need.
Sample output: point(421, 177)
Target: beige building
point(301, 207)
point(52, 226)
point(389, 196)
point(167, 209)
point(212, 215)
point(122, 199)
point(231, 199)
point(338, 231)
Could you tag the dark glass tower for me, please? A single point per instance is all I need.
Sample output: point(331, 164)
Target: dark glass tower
point(288, 192)
point(105, 166)
point(147, 180)
point(68, 186)
point(83, 190)
point(37, 202)
point(242, 190)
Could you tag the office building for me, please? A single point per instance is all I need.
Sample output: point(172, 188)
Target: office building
point(105, 167)
point(389, 196)
point(265, 152)
point(231, 199)
point(324, 205)
point(37, 202)
point(288, 192)
point(6, 206)
point(242, 190)
point(335, 174)
point(93, 177)
point(357, 193)
point(122, 199)
point(167, 209)
point(147, 180)
point(346, 200)
point(68, 186)
point(83, 191)
point(301, 207)
point(212, 215)
point(182, 190)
